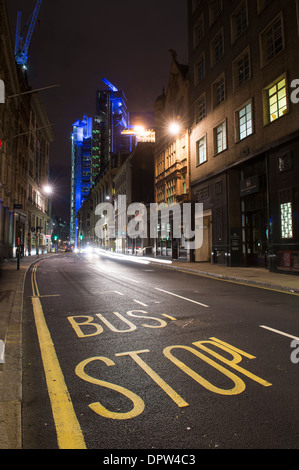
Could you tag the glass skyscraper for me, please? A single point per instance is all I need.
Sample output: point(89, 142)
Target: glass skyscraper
point(82, 169)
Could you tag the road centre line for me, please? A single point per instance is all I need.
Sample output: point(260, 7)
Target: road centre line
point(141, 303)
point(279, 332)
point(184, 298)
point(128, 279)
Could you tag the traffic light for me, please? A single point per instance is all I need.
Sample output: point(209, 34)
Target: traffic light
point(56, 237)
point(81, 237)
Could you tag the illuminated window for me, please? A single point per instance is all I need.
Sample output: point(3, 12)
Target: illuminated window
point(220, 140)
point(286, 214)
point(201, 151)
point(244, 122)
point(276, 100)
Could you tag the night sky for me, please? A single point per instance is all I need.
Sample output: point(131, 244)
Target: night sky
point(77, 43)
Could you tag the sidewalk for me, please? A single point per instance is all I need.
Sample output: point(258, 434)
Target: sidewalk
point(11, 305)
point(258, 277)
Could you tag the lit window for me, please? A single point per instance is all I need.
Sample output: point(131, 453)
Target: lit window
point(245, 122)
point(220, 138)
point(286, 220)
point(201, 151)
point(277, 100)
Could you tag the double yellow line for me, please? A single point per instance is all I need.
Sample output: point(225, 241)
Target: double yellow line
point(69, 434)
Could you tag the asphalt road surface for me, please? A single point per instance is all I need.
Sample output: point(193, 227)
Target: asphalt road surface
point(124, 355)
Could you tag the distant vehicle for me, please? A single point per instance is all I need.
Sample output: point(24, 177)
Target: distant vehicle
point(67, 249)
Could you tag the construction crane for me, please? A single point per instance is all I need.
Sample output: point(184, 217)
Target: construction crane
point(21, 44)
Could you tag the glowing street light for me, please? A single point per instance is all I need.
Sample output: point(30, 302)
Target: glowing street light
point(48, 189)
point(174, 128)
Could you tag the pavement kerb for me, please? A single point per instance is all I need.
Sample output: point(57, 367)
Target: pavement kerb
point(234, 279)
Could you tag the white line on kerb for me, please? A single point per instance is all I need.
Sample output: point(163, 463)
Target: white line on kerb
point(184, 298)
point(279, 332)
point(2, 349)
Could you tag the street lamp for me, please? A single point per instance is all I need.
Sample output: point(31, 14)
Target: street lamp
point(174, 128)
point(48, 189)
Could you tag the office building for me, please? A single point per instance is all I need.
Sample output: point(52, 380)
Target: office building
point(244, 141)
point(82, 176)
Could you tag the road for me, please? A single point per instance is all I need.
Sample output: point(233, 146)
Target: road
point(123, 355)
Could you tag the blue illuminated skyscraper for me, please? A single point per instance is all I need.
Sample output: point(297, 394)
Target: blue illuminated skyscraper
point(81, 169)
point(110, 120)
point(94, 141)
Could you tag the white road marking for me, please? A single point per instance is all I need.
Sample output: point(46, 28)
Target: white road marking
point(141, 303)
point(279, 332)
point(119, 293)
point(128, 279)
point(184, 298)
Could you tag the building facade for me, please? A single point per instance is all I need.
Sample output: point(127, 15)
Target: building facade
point(244, 139)
point(26, 135)
point(172, 162)
point(110, 119)
point(82, 176)
point(134, 182)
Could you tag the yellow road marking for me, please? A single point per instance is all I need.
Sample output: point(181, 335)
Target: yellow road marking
point(69, 434)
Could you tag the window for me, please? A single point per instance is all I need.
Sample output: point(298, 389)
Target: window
point(195, 4)
point(200, 109)
point(239, 20)
point(272, 41)
point(276, 101)
point(199, 69)
point(286, 214)
point(215, 8)
point(198, 32)
point(220, 140)
point(244, 122)
point(201, 150)
point(219, 92)
point(285, 162)
point(217, 48)
point(261, 4)
point(241, 69)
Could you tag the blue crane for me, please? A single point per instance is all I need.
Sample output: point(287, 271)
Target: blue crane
point(21, 44)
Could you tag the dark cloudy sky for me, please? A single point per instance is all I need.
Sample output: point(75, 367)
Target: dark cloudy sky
point(77, 43)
